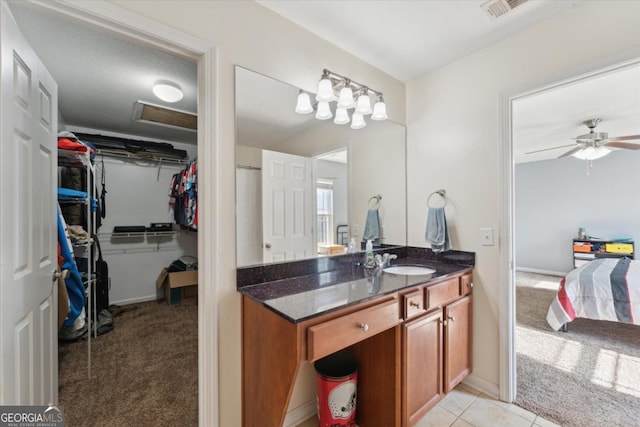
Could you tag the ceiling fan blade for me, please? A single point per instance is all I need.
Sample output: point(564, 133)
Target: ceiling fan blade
point(570, 152)
point(625, 138)
point(549, 149)
point(625, 145)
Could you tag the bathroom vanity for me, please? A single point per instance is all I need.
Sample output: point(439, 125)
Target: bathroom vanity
point(411, 334)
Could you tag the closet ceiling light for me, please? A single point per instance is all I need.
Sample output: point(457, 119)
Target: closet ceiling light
point(167, 92)
point(348, 94)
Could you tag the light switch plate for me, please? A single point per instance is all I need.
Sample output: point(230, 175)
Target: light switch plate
point(486, 236)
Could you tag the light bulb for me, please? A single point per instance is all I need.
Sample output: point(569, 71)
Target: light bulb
point(304, 103)
point(325, 90)
point(357, 121)
point(346, 97)
point(379, 110)
point(324, 112)
point(342, 117)
point(363, 105)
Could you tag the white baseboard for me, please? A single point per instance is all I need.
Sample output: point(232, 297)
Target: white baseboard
point(482, 385)
point(301, 413)
point(134, 300)
point(539, 271)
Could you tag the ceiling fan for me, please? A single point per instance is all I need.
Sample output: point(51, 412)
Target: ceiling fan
point(594, 145)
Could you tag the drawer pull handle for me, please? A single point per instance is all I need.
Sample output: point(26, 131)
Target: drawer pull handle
point(471, 285)
point(453, 319)
point(414, 304)
point(364, 327)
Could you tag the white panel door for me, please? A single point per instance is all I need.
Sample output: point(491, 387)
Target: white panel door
point(249, 216)
point(28, 229)
point(287, 207)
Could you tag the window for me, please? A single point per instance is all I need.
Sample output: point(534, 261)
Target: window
point(325, 211)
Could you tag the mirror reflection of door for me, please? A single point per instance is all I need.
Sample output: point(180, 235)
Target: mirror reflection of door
point(287, 191)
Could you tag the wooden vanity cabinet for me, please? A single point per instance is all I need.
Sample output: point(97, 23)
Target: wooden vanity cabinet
point(412, 347)
point(437, 350)
point(422, 361)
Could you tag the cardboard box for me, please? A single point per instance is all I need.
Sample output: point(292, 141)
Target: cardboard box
point(178, 285)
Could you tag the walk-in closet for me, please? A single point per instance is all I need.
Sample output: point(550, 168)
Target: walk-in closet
point(128, 205)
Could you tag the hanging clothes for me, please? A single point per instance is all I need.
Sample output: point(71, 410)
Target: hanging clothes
point(183, 196)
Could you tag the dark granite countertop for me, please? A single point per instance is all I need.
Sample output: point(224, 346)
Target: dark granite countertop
point(306, 296)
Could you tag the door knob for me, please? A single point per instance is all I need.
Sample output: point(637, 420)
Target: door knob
point(267, 245)
point(55, 275)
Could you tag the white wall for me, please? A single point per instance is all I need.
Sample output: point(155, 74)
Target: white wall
point(453, 138)
point(136, 195)
point(249, 35)
point(553, 198)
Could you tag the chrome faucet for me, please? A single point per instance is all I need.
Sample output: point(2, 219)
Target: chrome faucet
point(384, 260)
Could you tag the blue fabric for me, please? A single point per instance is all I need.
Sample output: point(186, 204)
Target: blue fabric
point(68, 193)
point(372, 227)
point(437, 233)
point(73, 282)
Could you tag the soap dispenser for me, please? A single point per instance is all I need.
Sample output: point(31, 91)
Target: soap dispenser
point(352, 246)
point(369, 262)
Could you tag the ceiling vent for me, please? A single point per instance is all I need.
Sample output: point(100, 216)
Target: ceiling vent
point(163, 116)
point(497, 8)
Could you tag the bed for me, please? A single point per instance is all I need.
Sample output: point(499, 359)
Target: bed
point(603, 289)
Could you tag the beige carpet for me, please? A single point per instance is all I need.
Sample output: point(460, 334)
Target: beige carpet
point(587, 377)
point(145, 371)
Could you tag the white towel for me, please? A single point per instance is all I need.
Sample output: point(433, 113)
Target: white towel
point(437, 233)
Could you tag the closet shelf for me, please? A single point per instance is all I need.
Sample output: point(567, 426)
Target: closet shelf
point(145, 157)
point(140, 234)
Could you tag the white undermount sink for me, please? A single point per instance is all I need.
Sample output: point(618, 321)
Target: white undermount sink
point(409, 270)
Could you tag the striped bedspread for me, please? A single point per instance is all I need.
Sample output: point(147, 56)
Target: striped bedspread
point(603, 289)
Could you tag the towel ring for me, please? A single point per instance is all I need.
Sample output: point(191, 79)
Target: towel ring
point(441, 193)
point(377, 198)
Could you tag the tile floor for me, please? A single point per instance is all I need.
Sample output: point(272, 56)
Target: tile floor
point(466, 407)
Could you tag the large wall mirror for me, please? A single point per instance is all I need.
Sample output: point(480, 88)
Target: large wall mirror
point(305, 187)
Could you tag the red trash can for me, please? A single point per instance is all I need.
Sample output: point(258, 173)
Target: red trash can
point(336, 385)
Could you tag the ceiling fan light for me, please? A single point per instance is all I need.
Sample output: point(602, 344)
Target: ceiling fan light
point(379, 110)
point(168, 92)
point(342, 117)
point(304, 103)
point(591, 153)
point(324, 112)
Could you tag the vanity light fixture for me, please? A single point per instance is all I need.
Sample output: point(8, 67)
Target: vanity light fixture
point(168, 91)
point(348, 95)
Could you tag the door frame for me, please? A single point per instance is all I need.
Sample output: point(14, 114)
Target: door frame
point(145, 31)
point(507, 293)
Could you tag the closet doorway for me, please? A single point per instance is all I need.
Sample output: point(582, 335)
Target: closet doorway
point(137, 189)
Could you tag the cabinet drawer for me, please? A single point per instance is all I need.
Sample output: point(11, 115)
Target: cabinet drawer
point(442, 293)
point(466, 284)
point(333, 335)
point(413, 304)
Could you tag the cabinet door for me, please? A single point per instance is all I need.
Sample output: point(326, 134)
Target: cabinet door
point(422, 366)
point(457, 342)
